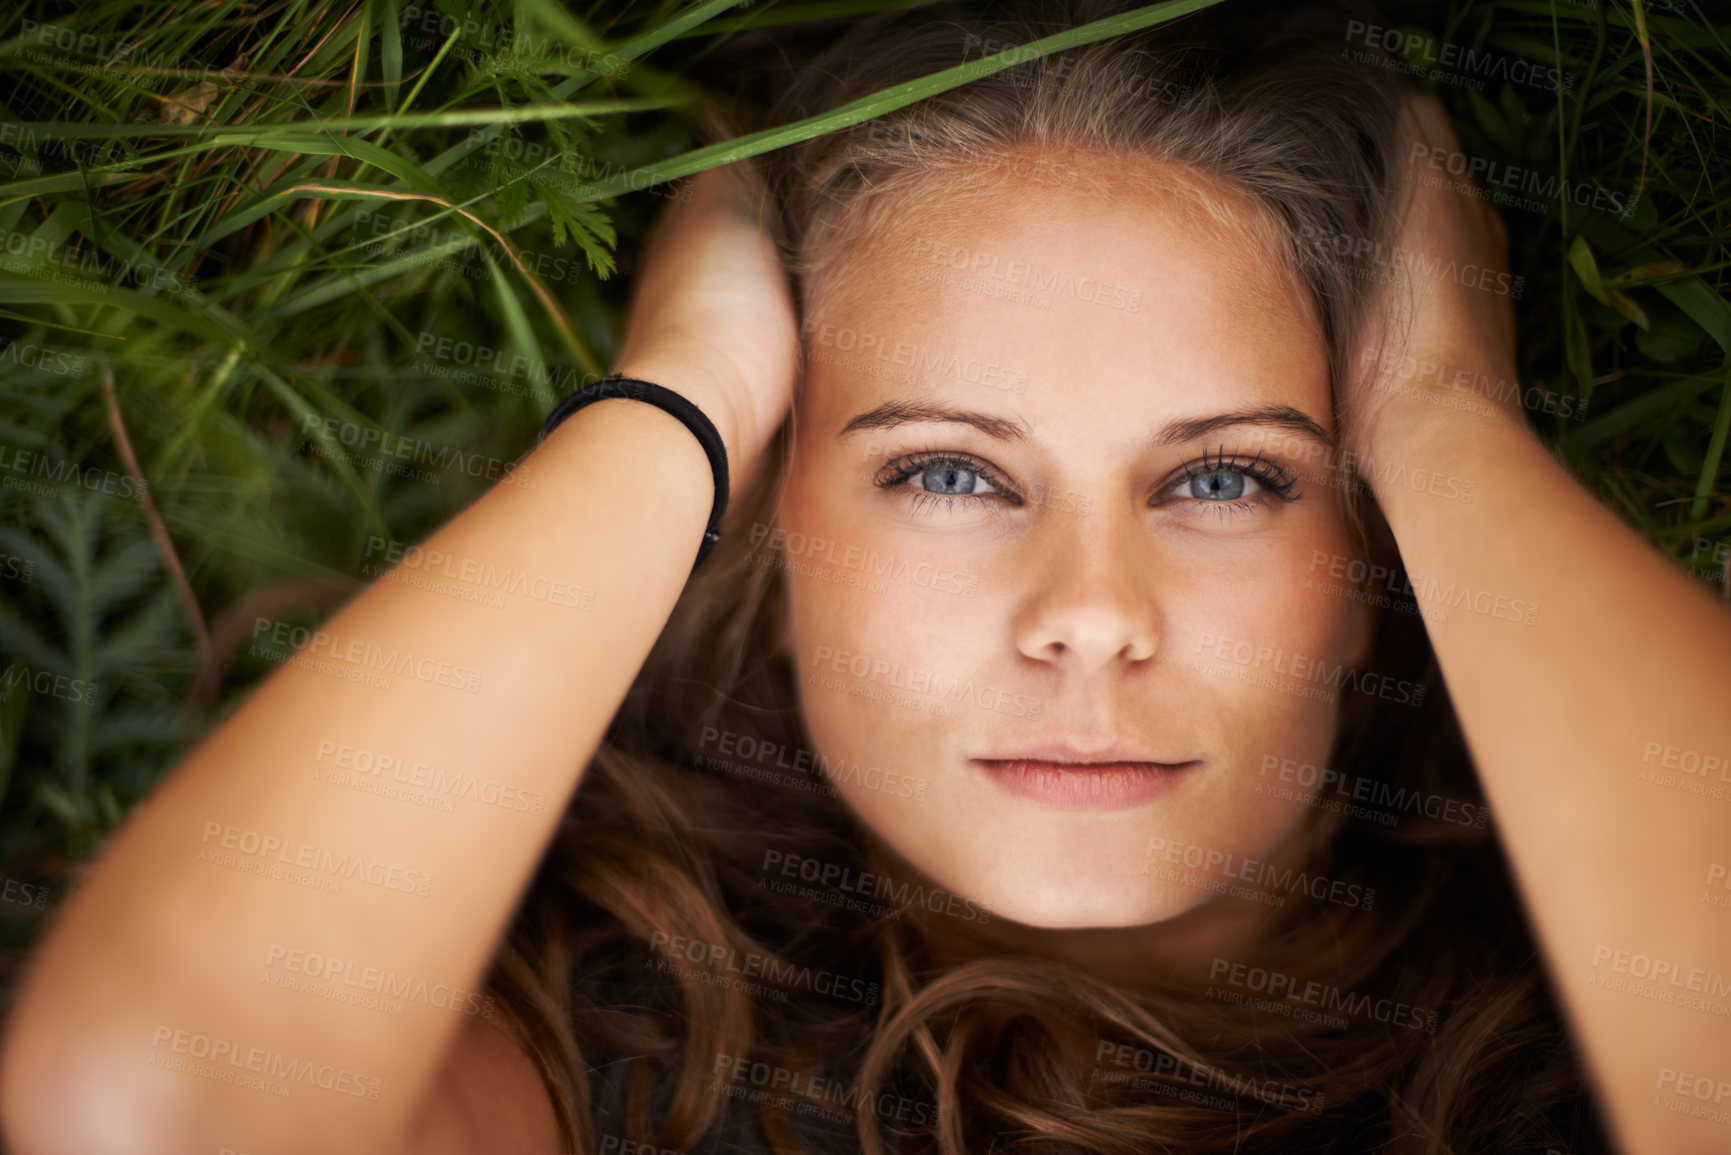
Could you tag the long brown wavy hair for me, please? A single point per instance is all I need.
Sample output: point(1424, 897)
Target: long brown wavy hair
point(666, 991)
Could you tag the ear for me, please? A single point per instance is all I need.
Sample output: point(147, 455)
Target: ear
point(1360, 631)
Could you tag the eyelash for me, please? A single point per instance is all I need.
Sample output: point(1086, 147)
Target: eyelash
point(1273, 481)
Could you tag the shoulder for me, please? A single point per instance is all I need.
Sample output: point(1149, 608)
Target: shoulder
point(488, 1099)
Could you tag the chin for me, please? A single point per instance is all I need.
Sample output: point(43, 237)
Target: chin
point(1061, 908)
point(1068, 892)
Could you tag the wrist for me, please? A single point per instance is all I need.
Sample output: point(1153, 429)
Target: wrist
point(1398, 398)
point(701, 383)
point(1417, 452)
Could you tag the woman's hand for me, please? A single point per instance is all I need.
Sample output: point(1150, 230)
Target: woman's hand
point(1443, 330)
point(712, 317)
point(1582, 665)
point(169, 934)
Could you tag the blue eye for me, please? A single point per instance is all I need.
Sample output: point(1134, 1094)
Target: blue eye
point(1219, 485)
point(949, 478)
point(1223, 482)
point(946, 477)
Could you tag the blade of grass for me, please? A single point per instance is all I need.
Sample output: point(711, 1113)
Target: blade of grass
point(887, 100)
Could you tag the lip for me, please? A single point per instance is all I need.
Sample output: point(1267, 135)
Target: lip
point(1065, 776)
point(1079, 750)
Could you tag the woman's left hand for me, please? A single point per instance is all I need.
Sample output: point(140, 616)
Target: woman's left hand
point(1585, 669)
point(1446, 315)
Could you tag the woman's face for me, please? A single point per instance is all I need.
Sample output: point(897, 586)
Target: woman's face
point(1050, 532)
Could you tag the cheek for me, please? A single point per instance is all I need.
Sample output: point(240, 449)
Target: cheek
point(1261, 611)
point(878, 698)
point(890, 602)
point(1259, 652)
point(882, 641)
point(895, 666)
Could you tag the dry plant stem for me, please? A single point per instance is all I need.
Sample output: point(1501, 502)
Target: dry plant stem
point(158, 529)
point(550, 302)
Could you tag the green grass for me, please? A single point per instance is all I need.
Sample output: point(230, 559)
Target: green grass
point(235, 232)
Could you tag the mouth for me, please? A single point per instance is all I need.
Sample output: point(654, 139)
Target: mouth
point(1084, 785)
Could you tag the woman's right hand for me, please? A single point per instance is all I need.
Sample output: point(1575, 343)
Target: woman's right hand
point(231, 872)
point(712, 317)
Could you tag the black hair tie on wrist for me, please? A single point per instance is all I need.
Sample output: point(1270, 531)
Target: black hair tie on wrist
point(617, 385)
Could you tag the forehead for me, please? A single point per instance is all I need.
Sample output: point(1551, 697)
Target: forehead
point(1108, 280)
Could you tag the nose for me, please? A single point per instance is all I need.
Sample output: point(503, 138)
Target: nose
point(1090, 601)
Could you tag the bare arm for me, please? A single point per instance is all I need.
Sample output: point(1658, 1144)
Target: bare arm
point(1575, 720)
point(156, 1015)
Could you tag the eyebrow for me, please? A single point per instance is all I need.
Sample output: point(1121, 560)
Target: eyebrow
point(893, 413)
point(1273, 416)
